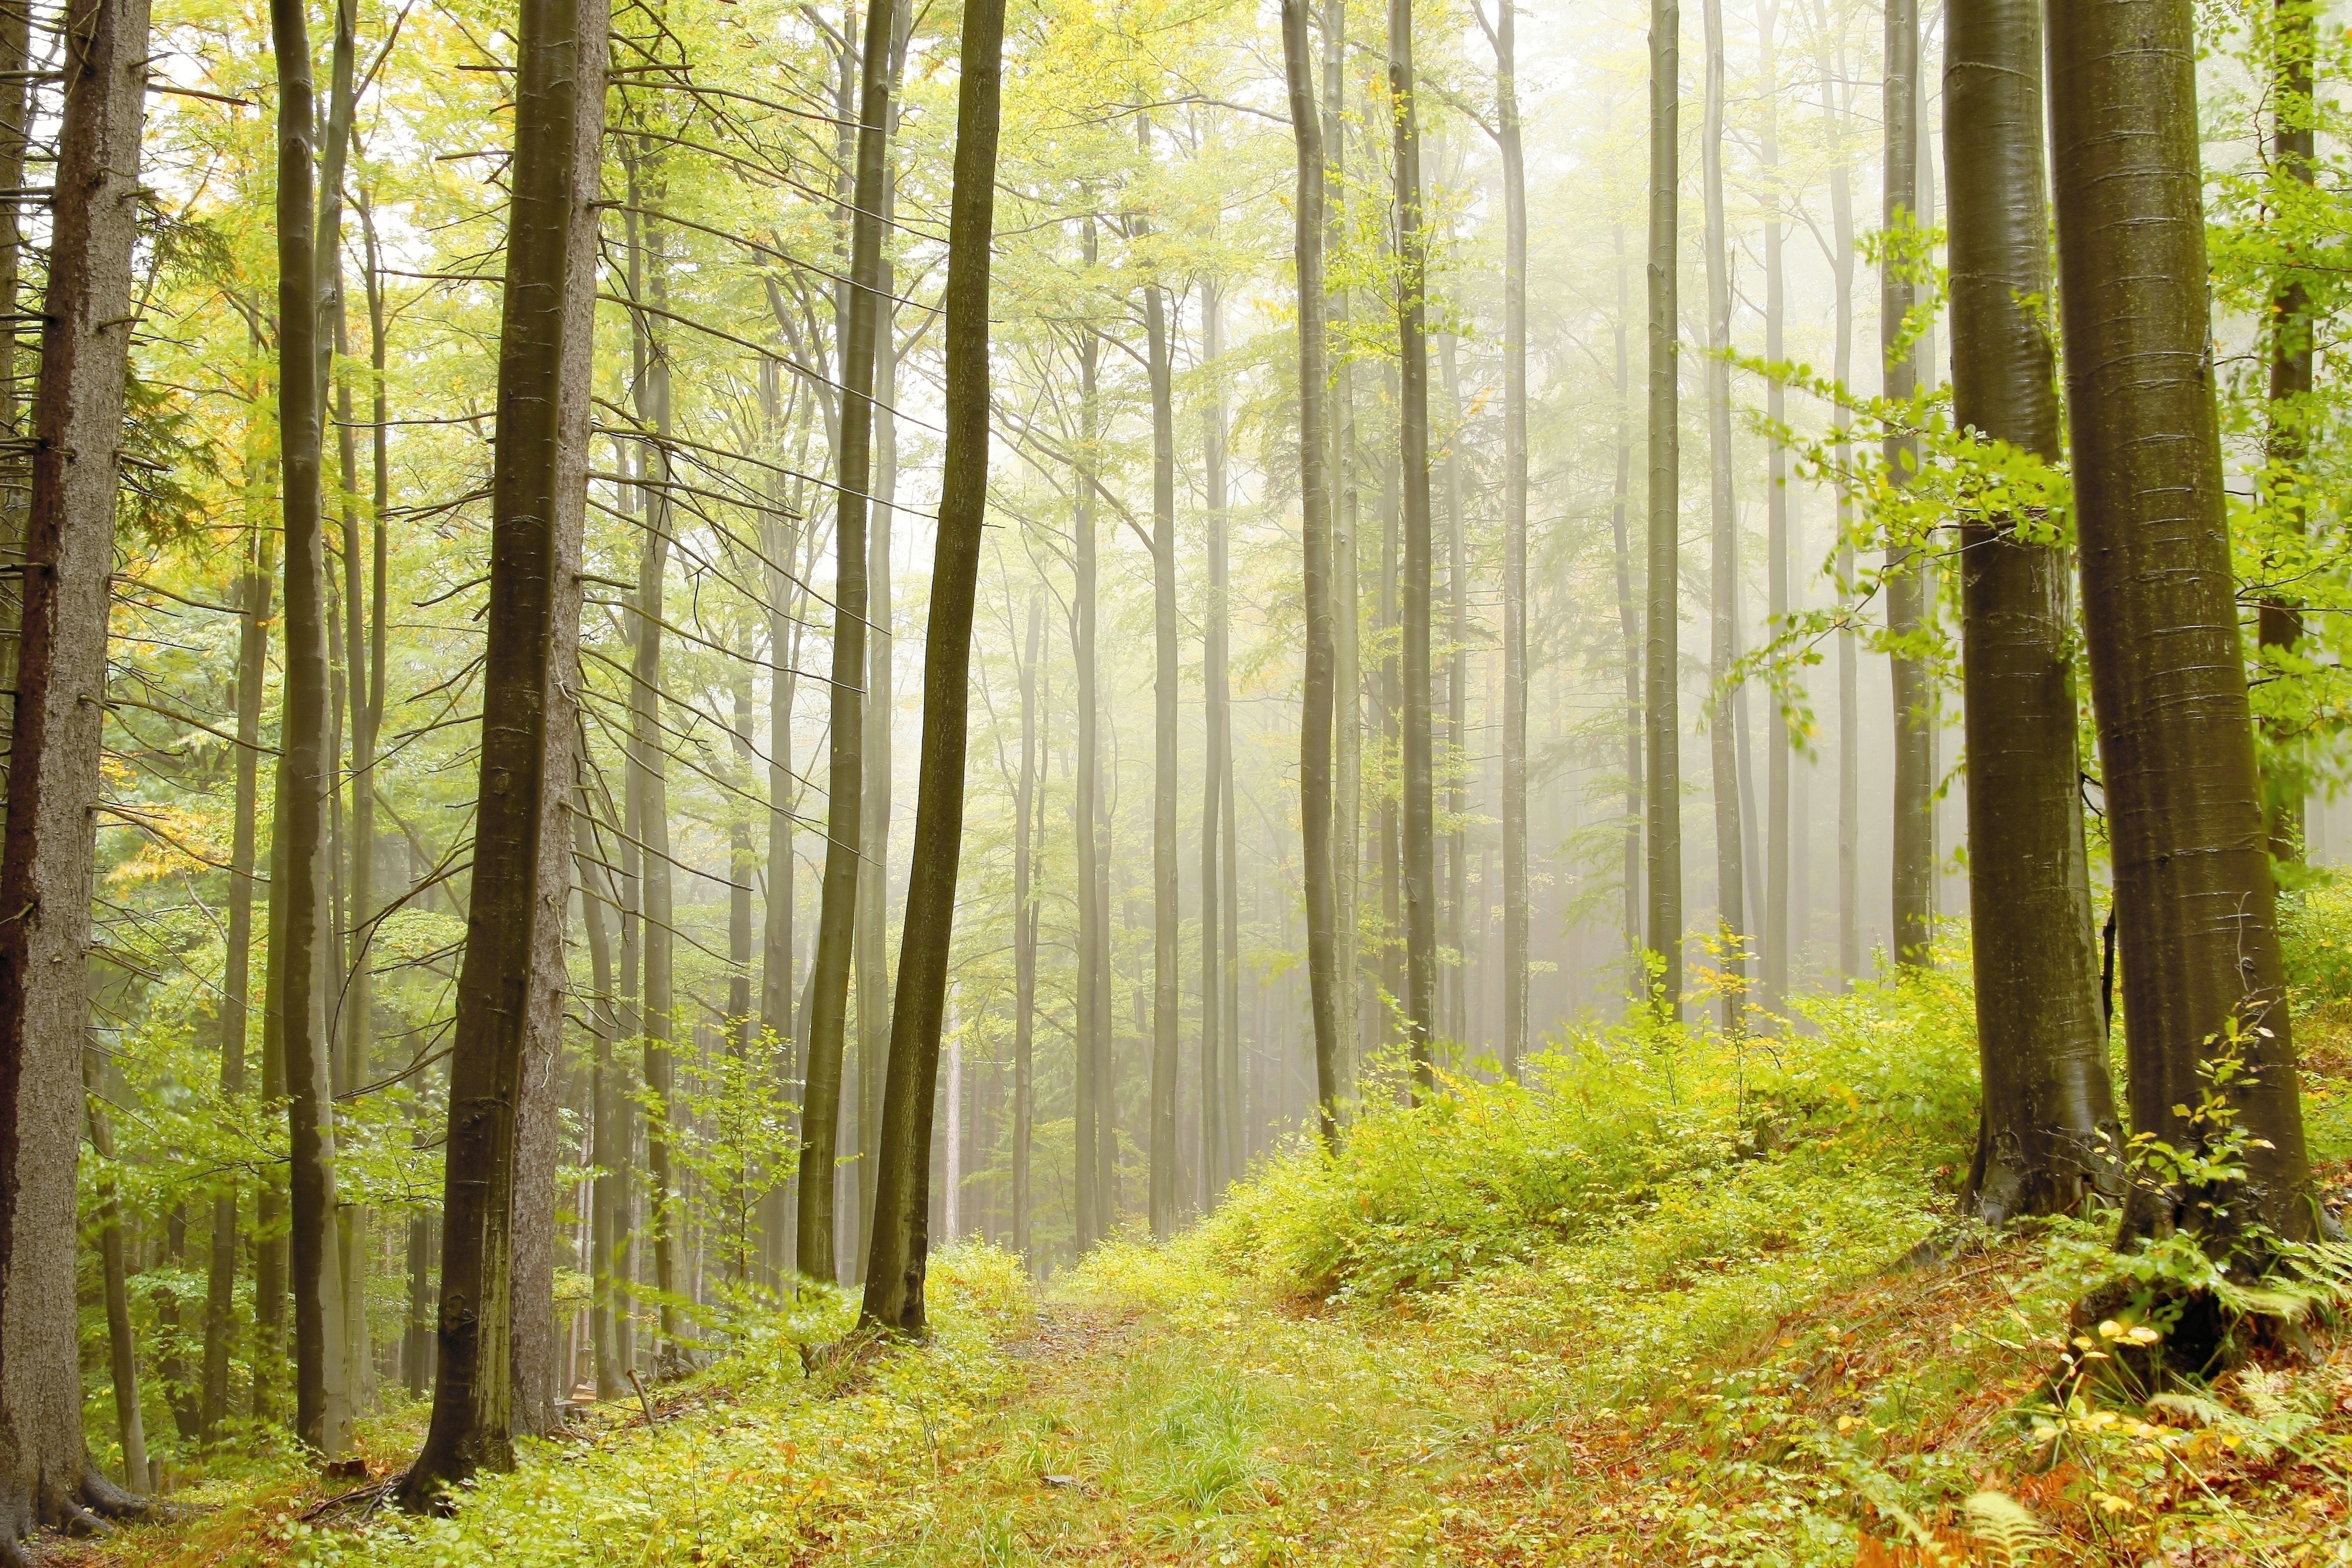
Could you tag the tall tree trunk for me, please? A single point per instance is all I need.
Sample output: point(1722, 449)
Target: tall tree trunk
point(1730, 858)
point(1780, 752)
point(648, 765)
point(1217, 701)
point(778, 543)
point(1514, 533)
point(2193, 891)
point(837, 914)
point(2044, 1142)
point(1906, 596)
point(895, 1274)
point(490, 1370)
point(45, 1476)
point(1347, 670)
point(322, 1404)
point(252, 662)
point(1165, 914)
point(122, 1348)
point(1090, 1087)
point(1324, 979)
point(1662, 710)
point(603, 1097)
point(1628, 618)
point(2278, 620)
point(1024, 933)
point(1456, 902)
point(1420, 842)
point(272, 1262)
point(1831, 68)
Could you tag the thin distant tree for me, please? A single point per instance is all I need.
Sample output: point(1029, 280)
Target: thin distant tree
point(895, 1274)
point(1160, 1196)
point(1503, 34)
point(2042, 1143)
point(1780, 751)
point(1661, 707)
point(46, 1474)
point(1216, 678)
point(1629, 611)
point(1907, 595)
point(1315, 503)
point(1722, 613)
point(1420, 804)
point(2194, 899)
point(523, 841)
point(1346, 672)
point(2278, 620)
point(1025, 801)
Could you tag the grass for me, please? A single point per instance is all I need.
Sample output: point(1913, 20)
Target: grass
point(1657, 1309)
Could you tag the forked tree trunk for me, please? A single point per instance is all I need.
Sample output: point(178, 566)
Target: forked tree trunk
point(1730, 858)
point(2046, 1138)
point(252, 660)
point(1661, 709)
point(1420, 802)
point(2193, 891)
point(837, 909)
point(45, 1476)
point(895, 1274)
point(1907, 592)
point(1324, 980)
point(321, 1397)
point(492, 1366)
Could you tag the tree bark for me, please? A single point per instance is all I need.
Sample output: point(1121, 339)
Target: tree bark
point(1324, 979)
point(1731, 859)
point(1832, 67)
point(603, 1098)
point(895, 1274)
point(1661, 712)
point(836, 912)
point(2193, 890)
point(1455, 904)
point(1419, 826)
point(252, 662)
point(1907, 606)
point(1217, 721)
point(1094, 1138)
point(1629, 623)
point(2046, 1141)
point(491, 1367)
point(776, 929)
point(45, 1475)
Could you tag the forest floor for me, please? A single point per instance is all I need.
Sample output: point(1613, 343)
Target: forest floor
point(1760, 1366)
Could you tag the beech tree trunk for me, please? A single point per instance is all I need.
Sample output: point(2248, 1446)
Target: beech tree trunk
point(1777, 935)
point(1324, 980)
point(1731, 859)
point(1662, 710)
point(1095, 1137)
point(1420, 842)
point(322, 1403)
point(1907, 605)
point(1162, 1196)
point(1217, 721)
point(895, 1274)
point(2278, 618)
point(509, 992)
point(1024, 934)
point(836, 911)
point(1514, 533)
point(1629, 623)
point(2193, 890)
point(252, 662)
point(2047, 1137)
point(45, 1475)
point(1347, 672)
point(603, 1098)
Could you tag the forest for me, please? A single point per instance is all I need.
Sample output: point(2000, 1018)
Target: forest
point(635, 634)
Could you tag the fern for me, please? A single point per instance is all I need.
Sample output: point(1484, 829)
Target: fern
point(2005, 1524)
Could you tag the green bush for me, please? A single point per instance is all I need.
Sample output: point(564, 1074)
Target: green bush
point(2316, 934)
point(1420, 1197)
